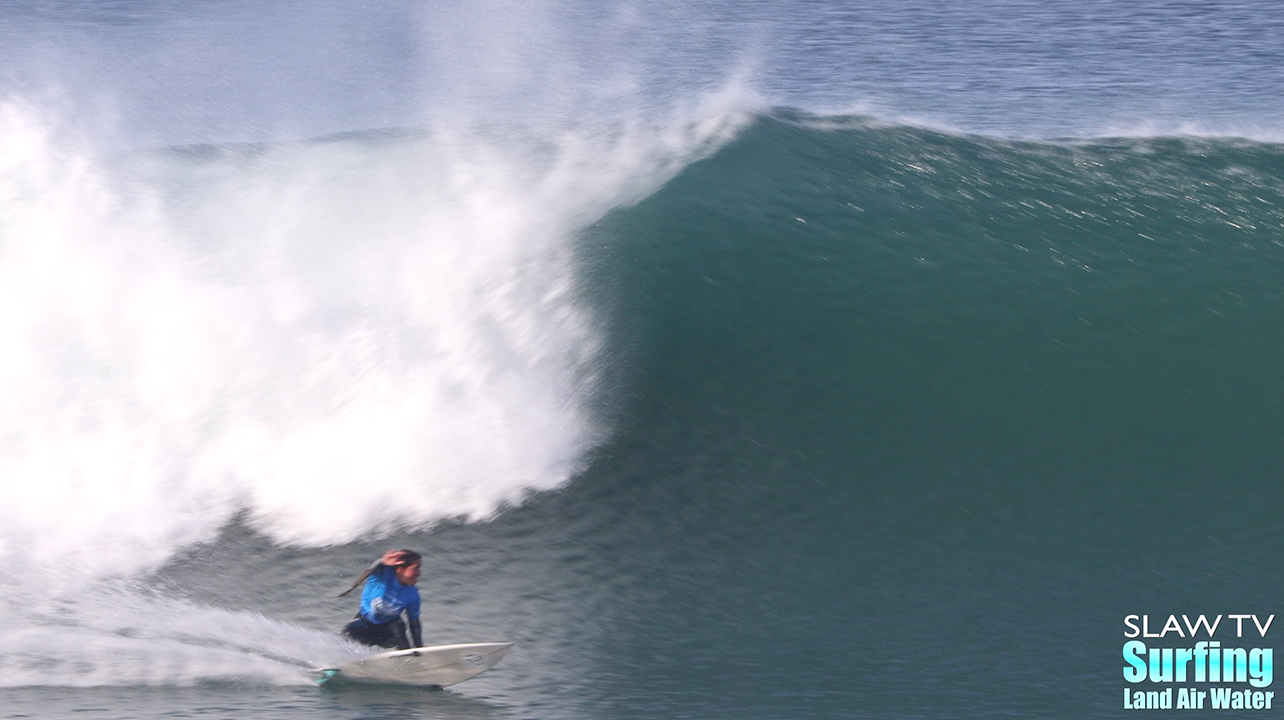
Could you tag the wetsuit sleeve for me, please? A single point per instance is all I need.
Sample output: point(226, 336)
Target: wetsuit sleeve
point(416, 633)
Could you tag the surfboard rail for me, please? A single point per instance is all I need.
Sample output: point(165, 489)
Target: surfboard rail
point(432, 666)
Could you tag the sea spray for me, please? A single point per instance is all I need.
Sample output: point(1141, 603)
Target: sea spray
point(111, 634)
point(338, 336)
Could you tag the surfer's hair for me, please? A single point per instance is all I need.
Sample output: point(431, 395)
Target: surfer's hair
point(406, 557)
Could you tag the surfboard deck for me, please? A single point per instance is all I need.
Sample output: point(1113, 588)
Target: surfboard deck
point(435, 666)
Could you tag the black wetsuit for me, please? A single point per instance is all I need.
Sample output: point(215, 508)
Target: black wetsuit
point(391, 634)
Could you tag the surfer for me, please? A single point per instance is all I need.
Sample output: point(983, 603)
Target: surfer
point(390, 590)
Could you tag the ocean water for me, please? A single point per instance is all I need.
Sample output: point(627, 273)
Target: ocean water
point(766, 360)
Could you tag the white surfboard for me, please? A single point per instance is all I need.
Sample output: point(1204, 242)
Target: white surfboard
point(436, 666)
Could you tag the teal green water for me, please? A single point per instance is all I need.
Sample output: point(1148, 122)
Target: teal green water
point(923, 298)
point(965, 403)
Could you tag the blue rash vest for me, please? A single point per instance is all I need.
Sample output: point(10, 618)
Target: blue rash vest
point(384, 597)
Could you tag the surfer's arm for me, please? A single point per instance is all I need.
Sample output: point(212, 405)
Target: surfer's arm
point(412, 614)
point(416, 633)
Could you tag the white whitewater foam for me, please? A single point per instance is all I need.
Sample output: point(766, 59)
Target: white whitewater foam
point(333, 338)
point(337, 337)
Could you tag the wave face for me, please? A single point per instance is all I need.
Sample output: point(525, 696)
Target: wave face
point(915, 418)
point(913, 296)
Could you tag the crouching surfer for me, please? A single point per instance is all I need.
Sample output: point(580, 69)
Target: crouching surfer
point(390, 590)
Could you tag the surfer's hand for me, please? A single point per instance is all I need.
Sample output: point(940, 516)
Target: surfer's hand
point(392, 558)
